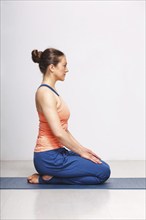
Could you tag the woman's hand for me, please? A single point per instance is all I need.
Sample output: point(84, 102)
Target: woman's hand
point(90, 155)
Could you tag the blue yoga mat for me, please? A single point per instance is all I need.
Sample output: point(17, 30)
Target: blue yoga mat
point(111, 183)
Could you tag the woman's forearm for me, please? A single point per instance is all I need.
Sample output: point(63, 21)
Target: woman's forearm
point(69, 141)
point(70, 135)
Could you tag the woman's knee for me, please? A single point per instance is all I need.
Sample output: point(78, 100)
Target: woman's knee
point(106, 172)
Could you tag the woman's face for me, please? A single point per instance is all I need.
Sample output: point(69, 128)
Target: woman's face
point(61, 69)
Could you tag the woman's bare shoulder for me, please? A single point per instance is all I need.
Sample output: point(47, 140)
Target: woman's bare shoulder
point(43, 91)
point(45, 96)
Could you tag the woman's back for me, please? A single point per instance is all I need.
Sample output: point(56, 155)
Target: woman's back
point(46, 139)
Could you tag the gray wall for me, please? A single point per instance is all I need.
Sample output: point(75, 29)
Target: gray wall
point(104, 45)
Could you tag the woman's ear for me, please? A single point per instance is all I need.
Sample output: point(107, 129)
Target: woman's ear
point(51, 67)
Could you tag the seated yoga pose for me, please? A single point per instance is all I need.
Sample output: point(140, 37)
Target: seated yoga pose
point(58, 157)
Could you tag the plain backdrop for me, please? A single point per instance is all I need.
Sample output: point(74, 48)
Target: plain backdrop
point(104, 45)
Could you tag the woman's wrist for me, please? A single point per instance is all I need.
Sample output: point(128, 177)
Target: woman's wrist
point(81, 150)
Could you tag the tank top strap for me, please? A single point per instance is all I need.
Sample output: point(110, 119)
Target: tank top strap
point(49, 88)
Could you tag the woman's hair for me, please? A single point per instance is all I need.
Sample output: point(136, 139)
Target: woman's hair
point(47, 57)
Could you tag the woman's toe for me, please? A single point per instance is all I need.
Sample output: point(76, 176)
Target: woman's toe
point(29, 180)
point(33, 179)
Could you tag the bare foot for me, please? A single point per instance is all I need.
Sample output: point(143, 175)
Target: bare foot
point(46, 177)
point(35, 178)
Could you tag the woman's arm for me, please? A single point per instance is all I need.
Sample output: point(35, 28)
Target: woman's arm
point(89, 151)
point(48, 105)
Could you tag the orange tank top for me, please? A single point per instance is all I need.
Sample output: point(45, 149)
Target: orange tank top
point(46, 140)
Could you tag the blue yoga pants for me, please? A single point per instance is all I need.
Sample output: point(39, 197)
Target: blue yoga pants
point(67, 167)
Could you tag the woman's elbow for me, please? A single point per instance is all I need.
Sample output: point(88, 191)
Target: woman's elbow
point(59, 135)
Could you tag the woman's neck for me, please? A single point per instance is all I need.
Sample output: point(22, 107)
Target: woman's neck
point(49, 81)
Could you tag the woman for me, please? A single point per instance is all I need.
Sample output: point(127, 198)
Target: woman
point(58, 157)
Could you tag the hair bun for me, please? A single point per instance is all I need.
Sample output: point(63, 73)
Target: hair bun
point(36, 56)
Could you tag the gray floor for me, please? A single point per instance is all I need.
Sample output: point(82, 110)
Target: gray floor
point(73, 204)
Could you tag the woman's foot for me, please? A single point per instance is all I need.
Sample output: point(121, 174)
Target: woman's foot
point(35, 178)
point(47, 177)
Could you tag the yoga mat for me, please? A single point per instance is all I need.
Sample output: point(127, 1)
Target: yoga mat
point(111, 183)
